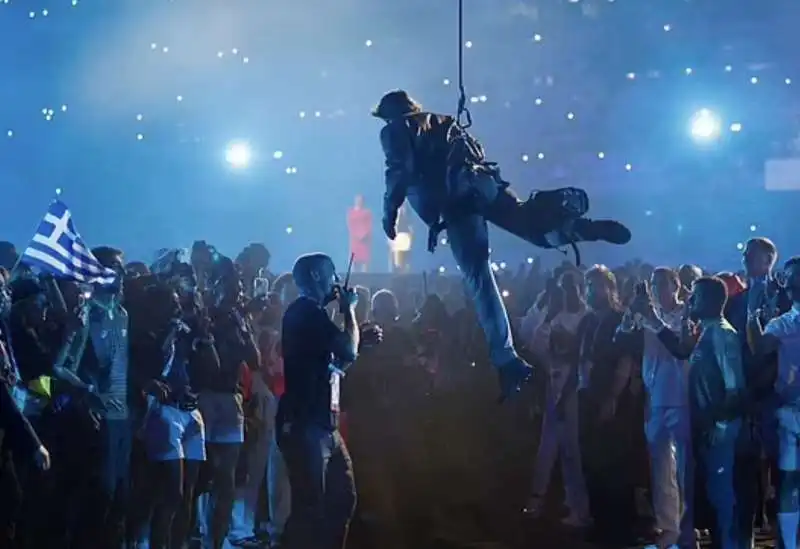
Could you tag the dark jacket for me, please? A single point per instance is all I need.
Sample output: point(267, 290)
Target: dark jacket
point(717, 391)
point(417, 147)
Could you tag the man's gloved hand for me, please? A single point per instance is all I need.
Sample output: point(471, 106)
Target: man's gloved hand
point(433, 239)
point(390, 226)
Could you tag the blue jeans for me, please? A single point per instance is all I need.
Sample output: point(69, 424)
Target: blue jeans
point(718, 462)
point(669, 441)
point(469, 240)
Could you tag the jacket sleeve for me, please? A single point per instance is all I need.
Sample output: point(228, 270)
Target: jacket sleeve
point(399, 154)
point(672, 342)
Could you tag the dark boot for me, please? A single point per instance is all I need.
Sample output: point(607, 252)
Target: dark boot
point(599, 230)
point(566, 202)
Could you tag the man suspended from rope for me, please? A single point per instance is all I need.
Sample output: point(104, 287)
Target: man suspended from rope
point(433, 162)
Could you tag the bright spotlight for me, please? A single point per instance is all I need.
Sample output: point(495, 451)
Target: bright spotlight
point(238, 155)
point(705, 125)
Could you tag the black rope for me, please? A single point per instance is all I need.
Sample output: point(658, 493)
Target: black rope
point(463, 111)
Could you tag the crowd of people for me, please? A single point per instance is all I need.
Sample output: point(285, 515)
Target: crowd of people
point(150, 406)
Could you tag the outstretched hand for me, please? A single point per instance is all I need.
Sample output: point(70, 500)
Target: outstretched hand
point(643, 306)
point(390, 227)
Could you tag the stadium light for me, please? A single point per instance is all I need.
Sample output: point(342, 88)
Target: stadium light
point(238, 155)
point(705, 125)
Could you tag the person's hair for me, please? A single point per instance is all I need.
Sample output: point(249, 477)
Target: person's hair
point(792, 262)
point(793, 286)
point(669, 273)
point(383, 300)
point(106, 255)
point(160, 298)
point(763, 244)
point(685, 271)
point(609, 280)
point(714, 291)
point(307, 264)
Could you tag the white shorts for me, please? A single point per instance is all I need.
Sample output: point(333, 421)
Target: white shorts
point(223, 417)
point(171, 433)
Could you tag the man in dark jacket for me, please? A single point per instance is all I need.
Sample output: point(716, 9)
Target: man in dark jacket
point(759, 440)
point(442, 171)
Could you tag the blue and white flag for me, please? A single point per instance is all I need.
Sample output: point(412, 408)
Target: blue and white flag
point(58, 249)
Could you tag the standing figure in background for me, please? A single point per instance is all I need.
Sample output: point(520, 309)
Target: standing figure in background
point(757, 451)
point(400, 247)
point(359, 226)
point(555, 343)
point(781, 335)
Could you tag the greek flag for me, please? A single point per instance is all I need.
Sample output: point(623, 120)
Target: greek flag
point(58, 249)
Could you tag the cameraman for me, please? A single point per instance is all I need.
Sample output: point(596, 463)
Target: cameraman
point(320, 471)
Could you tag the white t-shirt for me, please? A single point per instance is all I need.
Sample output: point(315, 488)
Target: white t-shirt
point(786, 328)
